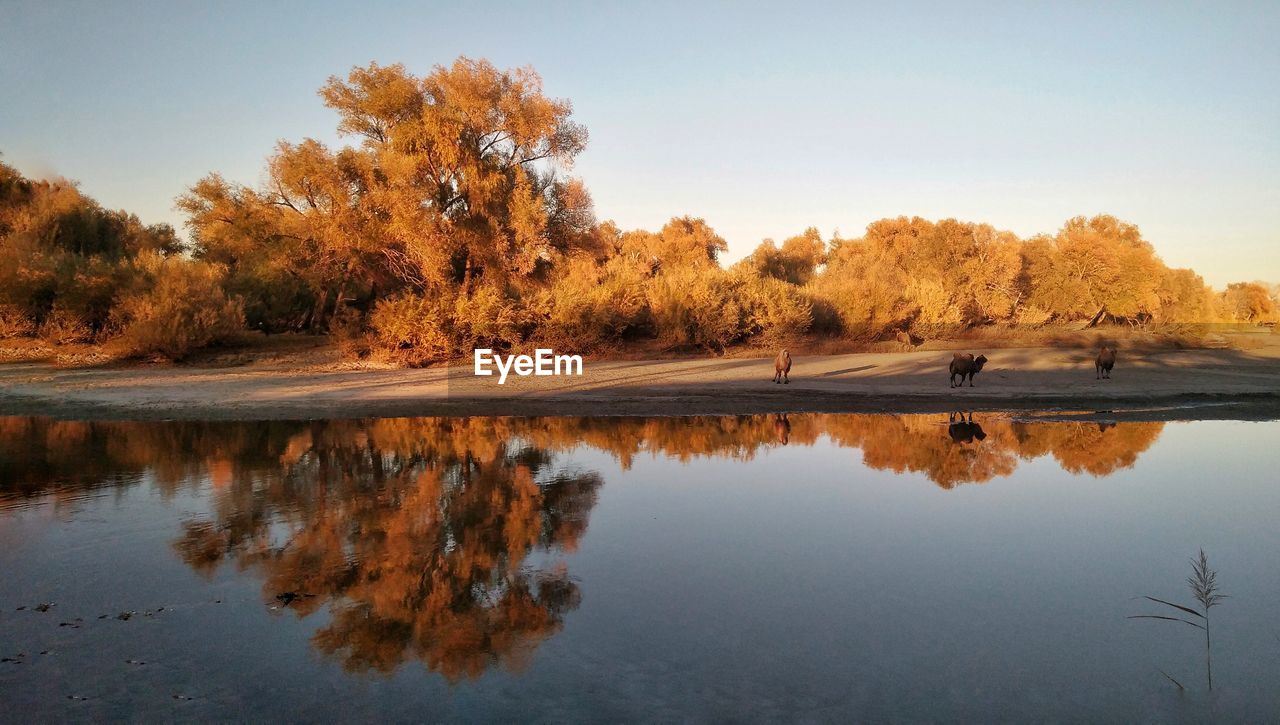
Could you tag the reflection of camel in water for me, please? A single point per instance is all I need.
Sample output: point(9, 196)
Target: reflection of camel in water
point(964, 431)
point(782, 427)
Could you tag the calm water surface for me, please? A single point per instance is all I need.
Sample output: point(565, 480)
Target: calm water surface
point(807, 567)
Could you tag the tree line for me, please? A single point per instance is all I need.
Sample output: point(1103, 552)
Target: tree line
point(453, 223)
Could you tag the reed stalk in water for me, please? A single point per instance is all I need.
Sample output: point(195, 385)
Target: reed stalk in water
point(1204, 587)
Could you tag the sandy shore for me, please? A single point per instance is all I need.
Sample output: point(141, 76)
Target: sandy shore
point(1166, 384)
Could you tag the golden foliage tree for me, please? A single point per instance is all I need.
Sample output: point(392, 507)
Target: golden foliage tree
point(1095, 265)
point(454, 193)
point(796, 261)
point(65, 262)
point(1247, 302)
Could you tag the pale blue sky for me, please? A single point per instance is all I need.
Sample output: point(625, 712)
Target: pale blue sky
point(763, 118)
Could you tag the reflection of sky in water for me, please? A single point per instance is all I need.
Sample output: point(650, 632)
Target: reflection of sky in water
point(784, 582)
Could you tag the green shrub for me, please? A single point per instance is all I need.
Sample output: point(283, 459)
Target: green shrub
point(87, 288)
point(274, 299)
point(350, 331)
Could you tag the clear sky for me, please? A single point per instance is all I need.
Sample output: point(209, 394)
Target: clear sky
point(762, 118)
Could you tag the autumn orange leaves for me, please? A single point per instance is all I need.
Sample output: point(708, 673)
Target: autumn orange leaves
point(452, 223)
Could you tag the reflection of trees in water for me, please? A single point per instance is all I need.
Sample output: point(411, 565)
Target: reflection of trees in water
point(950, 456)
point(418, 532)
point(1095, 448)
point(435, 539)
point(922, 443)
point(39, 455)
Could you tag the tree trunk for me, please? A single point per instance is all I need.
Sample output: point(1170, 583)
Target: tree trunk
point(317, 314)
point(1097, 318)
point(342, 293)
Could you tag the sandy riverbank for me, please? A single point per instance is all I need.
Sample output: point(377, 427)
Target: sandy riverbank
point(1162, 384)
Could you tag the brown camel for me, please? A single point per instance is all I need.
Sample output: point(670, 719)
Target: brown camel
point(1103, 364)
point(782, 368)
point(966, 366)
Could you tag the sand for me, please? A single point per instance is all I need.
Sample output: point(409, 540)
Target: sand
point(1243, 384)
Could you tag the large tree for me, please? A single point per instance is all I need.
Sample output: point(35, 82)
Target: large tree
point(456, 184)
point(1093, 266)
point(1246, 302)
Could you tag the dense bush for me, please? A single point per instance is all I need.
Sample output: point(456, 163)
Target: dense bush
point(491, 318)
point(183, 309)
point(773, 310)
point(411, 329)
point(864, 308)
point(67, 266)
point(591, 307)
point(695, 309)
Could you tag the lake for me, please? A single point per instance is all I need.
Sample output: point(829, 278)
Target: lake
point(802, 567)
